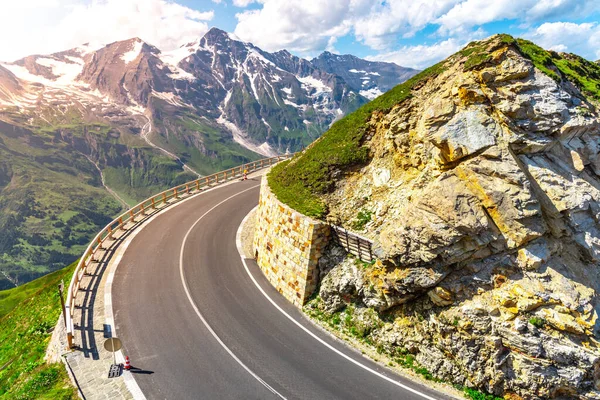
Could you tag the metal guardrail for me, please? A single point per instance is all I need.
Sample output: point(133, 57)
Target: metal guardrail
point(355, 244)
point(168, 196)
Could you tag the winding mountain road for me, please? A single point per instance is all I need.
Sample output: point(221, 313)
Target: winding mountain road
point(197, 326)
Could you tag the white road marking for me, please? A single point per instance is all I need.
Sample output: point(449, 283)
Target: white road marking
point(128, 377)
point(187, 292)
point(241, 252)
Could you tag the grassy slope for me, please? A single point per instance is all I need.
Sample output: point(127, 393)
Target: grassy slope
point(582, 73)
point(27, 316)
point(198, 142)
point(50, 206)
point(300, 181)
point(51, 198)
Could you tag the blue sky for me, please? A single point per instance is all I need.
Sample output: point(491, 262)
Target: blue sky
point(414, 33)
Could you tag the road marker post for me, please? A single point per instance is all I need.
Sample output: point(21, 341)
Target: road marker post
point(127, 363)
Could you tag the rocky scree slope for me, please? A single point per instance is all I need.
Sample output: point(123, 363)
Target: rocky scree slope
point(479, 182)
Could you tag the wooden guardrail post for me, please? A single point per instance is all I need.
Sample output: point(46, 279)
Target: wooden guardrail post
point(153, 204)
point(164, 198)
point(198, 184)
point(187, 188)
point(175, 193)
point(110, 233)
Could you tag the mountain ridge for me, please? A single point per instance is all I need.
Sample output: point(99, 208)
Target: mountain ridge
point(85, 130)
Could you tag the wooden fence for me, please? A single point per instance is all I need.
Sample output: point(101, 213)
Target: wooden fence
point(354, 244)
point(105, 237)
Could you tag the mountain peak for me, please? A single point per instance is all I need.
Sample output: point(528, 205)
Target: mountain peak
point(216, 35)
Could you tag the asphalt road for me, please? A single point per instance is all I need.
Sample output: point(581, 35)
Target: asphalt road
point(166, 295)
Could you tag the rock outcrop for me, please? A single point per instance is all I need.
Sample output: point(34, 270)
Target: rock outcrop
point(484, 191)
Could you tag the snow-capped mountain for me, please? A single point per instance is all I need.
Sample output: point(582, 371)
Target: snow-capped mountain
point(368, 78)
point(215, 86)
point(90, 131)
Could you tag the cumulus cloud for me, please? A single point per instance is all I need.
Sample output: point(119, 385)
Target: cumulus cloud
point(242, 3)
point(301, 26)
point(311, 25)
point(467, 14)
point(57, 25)
point(582, 39)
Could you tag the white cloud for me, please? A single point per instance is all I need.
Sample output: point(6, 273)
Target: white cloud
point(582, 39)
point(470, 13)
point(62, 24)
point(310, 25)
point(390, 19)
point(301, 26)
point(242, 3)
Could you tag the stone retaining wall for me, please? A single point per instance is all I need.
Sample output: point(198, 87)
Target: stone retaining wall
point(287, 246)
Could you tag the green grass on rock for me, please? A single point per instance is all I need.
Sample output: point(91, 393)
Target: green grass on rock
point(299, 182)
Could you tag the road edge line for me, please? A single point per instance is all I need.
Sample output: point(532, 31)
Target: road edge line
point(130, 382)
point(197, 310)
point(366, 368)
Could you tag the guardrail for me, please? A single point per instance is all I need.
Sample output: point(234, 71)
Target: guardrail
point(168, 196)
point(354, 244)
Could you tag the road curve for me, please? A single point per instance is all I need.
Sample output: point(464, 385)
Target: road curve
point(196, 327)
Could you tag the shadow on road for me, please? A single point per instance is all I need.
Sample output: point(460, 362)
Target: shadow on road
point(135, 370)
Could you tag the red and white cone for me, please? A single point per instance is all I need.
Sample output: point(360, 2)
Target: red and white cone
point(127, 363)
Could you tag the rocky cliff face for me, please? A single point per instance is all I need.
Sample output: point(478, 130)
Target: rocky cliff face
point(482, 192)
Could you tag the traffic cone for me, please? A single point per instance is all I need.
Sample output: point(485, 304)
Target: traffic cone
point(127, 363)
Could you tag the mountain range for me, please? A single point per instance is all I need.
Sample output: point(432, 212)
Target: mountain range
point(87, 132)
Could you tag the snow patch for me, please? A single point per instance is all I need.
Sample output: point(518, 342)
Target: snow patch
point(317, 84)
point(67, 72)
point(242, 139)
point(174, 57)
point(375, 73)
point(371, 93)
point(132, 54)
point(170, 98)
point(291, 103)
point(233, 37)
point(180, 75)
point(287, 91)
point(266, 123)
point(255, 54)
point(354, 71)
point(24, 74)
